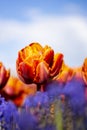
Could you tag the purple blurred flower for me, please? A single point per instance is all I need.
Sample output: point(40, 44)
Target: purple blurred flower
point(38, 107)
point(26, 121)
point(75, 91)
point(54, 89)
point(8, 115)
point(39, 98)
point(41, 111)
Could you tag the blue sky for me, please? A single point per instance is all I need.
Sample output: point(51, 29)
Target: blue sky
point(62, 24)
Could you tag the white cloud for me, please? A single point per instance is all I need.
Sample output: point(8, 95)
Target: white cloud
point(66, 34)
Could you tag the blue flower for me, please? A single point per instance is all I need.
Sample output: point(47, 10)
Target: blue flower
point(26, 121)
point(39, 98)
point(75, 91)
point(47, 110)
point(38, 107)
point(8, 115)
point(54, 89)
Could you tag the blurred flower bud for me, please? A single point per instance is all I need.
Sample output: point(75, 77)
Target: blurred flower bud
point(84, 70)
point(65, 74)
point(16, 91)
point(4, 75)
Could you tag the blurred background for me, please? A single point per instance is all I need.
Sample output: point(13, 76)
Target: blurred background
point(61, 24)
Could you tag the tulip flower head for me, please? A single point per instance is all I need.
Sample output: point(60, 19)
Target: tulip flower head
point(84, 70)
point(4, 75)
point(37, 64)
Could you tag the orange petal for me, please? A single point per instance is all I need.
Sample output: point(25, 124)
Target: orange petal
point(65, 75)
point(48, 56)
point(36, 47)
point(4, 76)
point(84, 70)
point(41, 73)
point(57, 63)
point(26, 72)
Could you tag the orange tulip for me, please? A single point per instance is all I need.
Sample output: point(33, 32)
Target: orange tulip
point(84, 70)
point(4, 75)
point(37, 64)
point(17, 91)
point(66, 73)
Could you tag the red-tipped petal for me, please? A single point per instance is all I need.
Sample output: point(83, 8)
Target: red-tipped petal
point(42, 73)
